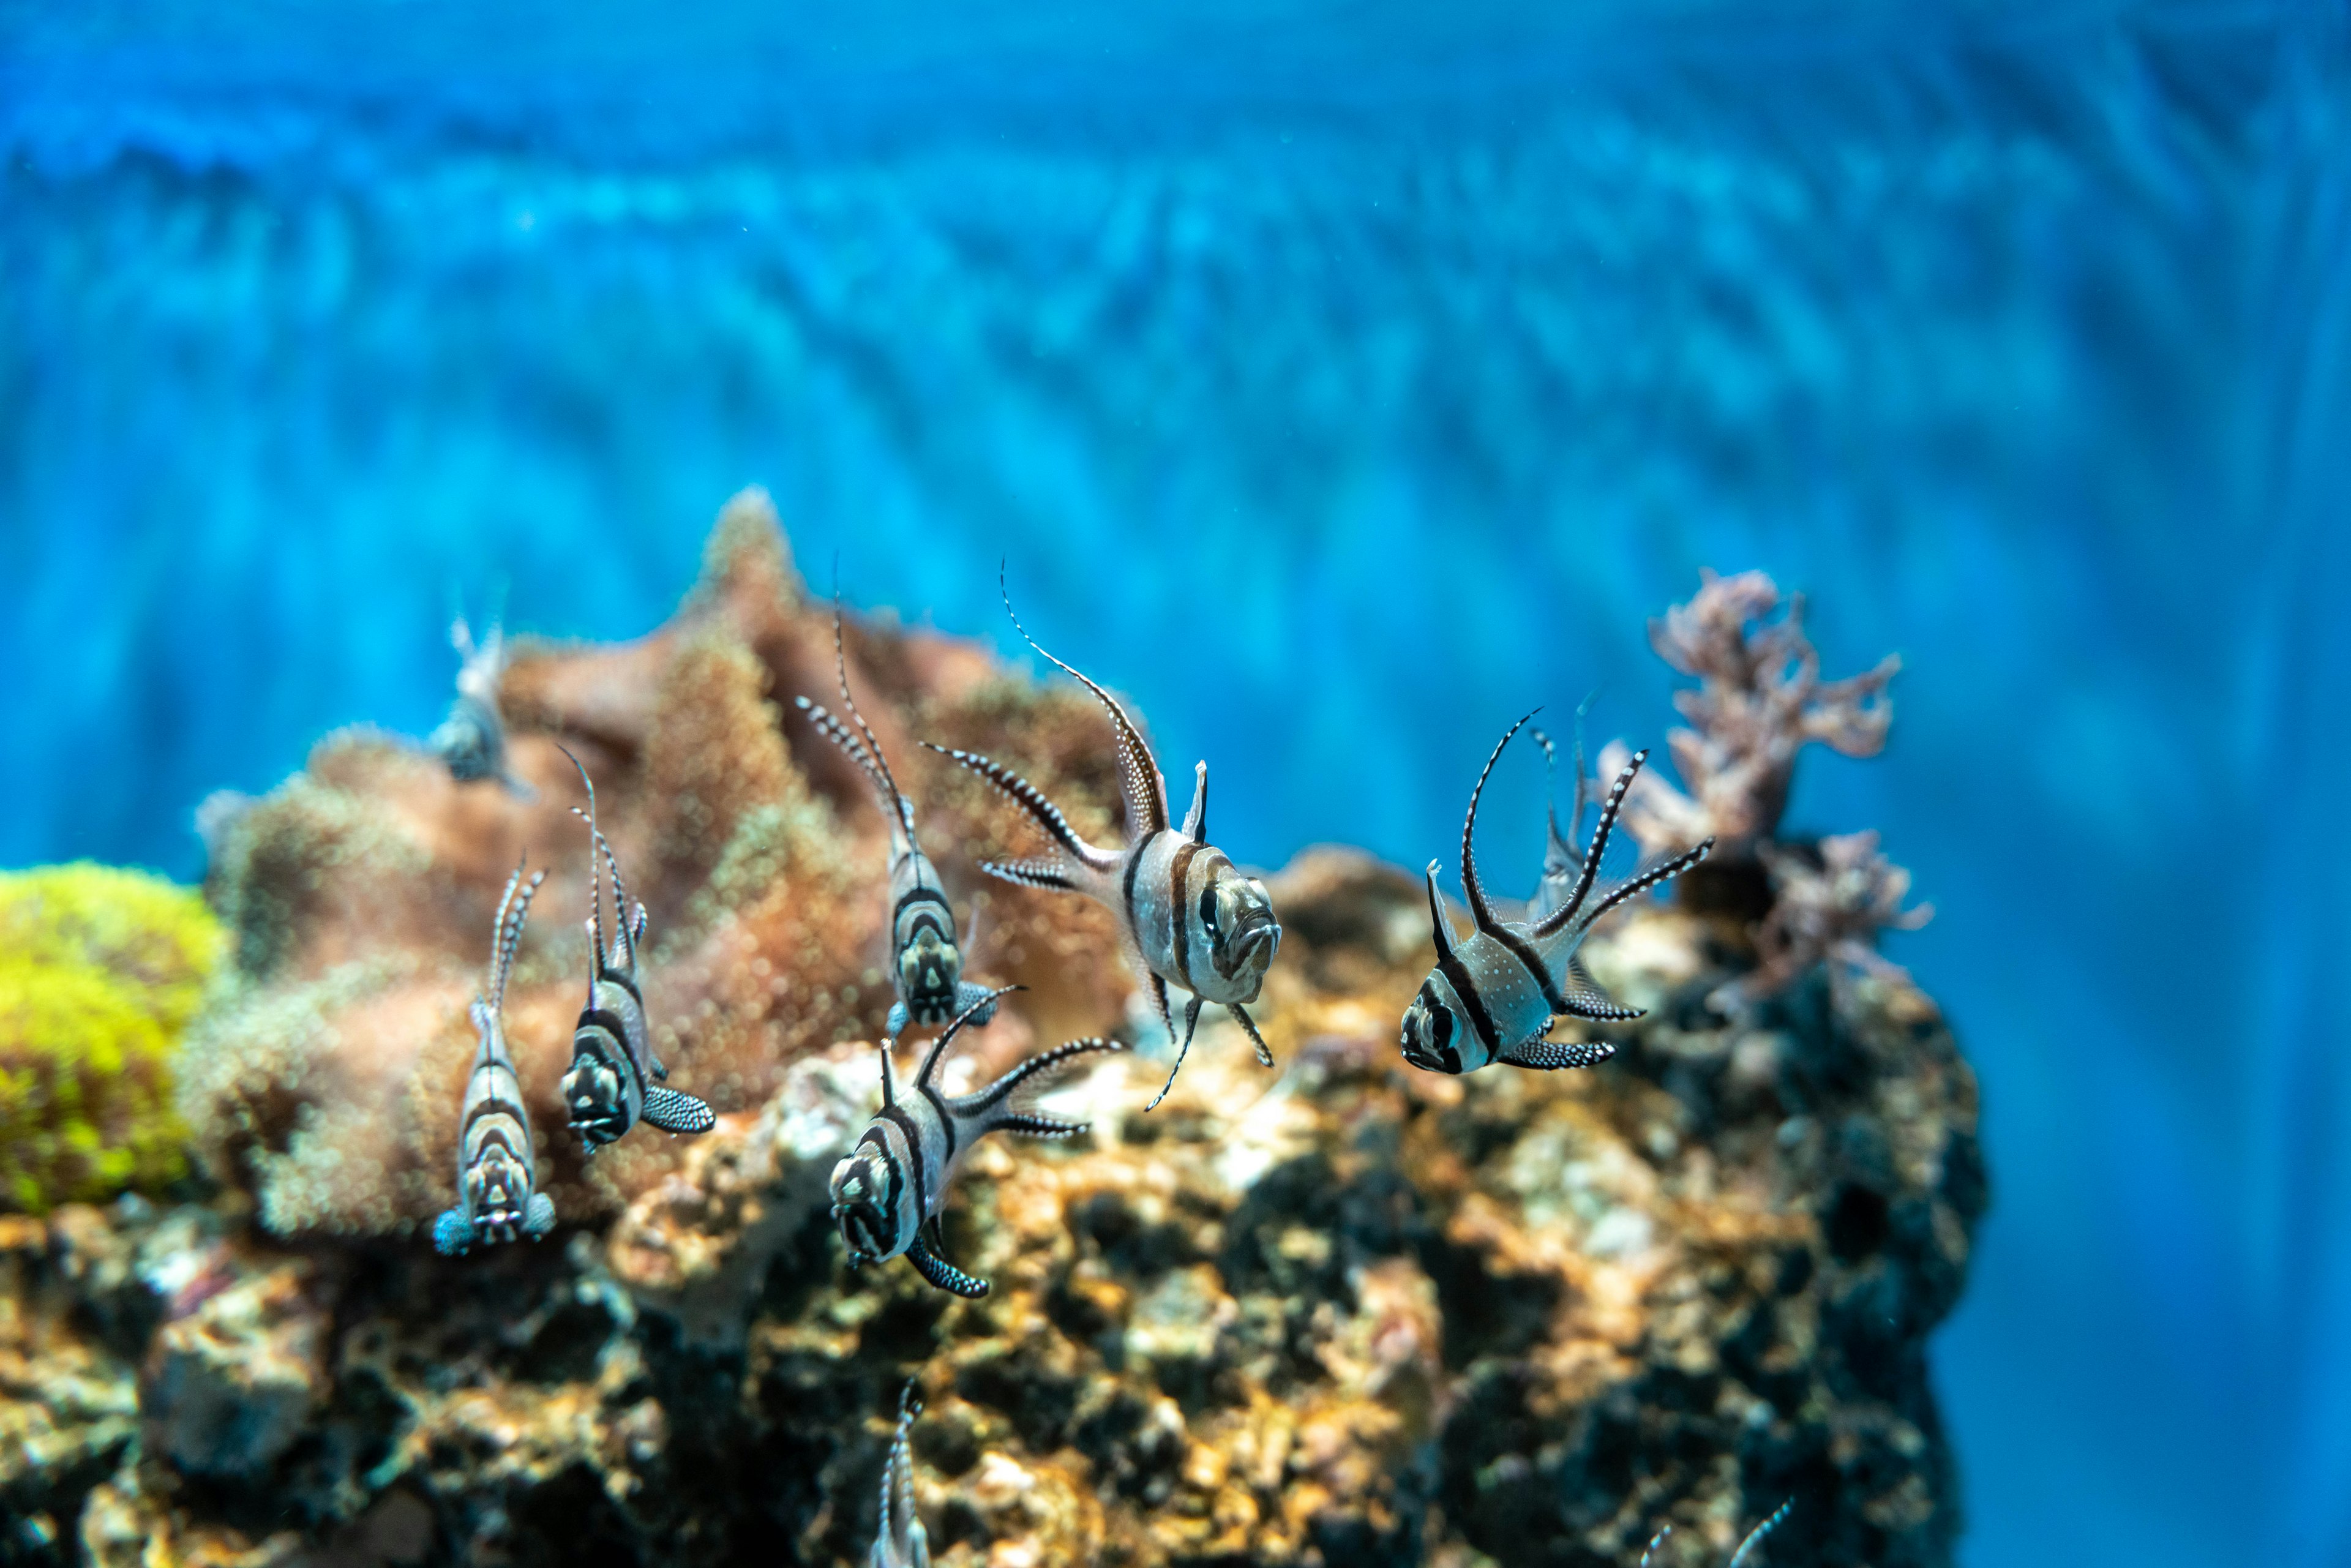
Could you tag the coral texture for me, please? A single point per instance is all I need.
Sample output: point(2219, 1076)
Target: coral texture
point(101, 970)
point(325, 1080)
point(1350, 1314)
point(1759, 700)
point(1368, 1315)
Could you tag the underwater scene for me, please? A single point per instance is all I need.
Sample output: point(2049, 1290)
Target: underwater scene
point(615, 943)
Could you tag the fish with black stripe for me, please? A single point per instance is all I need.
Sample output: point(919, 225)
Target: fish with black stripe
point(890, 1189)
point(496, 1200)
point(928, 964)
point(615, 1080)
point(471, 741)
point(1494, 995)
point(902, 1543)
point(1186, 915)
point(1746, 1548)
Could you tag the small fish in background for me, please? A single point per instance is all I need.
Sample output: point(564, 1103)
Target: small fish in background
point(928, 967)
point(902, 1543)
point(1746, 1548)
point(473, 739)
point(614, 1077)
point(1493, 997)
point(1185, 913)
point(496, 1177)
point(890, 1189)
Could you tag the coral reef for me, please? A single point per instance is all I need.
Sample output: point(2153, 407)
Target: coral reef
point(1352, 1314)
point(324, 1079)
point(1759, 701)
point(1371, 1315)
point(101, 970)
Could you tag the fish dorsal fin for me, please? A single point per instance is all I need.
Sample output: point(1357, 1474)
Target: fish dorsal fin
point(1439, 926)
point(939, 1047)
point(1196, 820)
point(1755, 1536)
point(514, 908)
point(1145, 792)
point(1558, 848)
point(1481, 911)
point(1601, 832)
point(595, 883)
point(894, 802)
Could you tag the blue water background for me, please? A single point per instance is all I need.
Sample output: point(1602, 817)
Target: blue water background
point(1340, 379)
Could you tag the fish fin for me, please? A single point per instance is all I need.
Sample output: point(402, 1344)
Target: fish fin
point(1036, 871)
point(1249, 1028)
point(1585, 999)
point(1196, 820)
point(938, 1051)
point(1551, 1055)
point(1755, 1536)
point(1654, 875)
point(1191, 1022)
point(944, 1274)
point(1144, 792)
point(896, 1024)
point(1480, 912)
point(453, 1233)
point(1013, 1093)
point(538, 1215)
point(673, 1112)
point(1031, 799)
point(1602, 831)
point(1029, 1125)
point(1655, 1542)
point(1560, 858)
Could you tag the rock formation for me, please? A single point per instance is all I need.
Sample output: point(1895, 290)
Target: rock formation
point(1349, 1313)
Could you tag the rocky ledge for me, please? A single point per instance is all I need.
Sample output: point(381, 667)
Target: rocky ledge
point(1352, 1314)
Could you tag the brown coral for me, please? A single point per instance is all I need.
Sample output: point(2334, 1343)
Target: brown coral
point(1759, 701)
point(1829, 902)
point(1368, 1315)
point(327, 1080)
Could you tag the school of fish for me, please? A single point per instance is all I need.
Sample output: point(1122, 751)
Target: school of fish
point(1186, 917)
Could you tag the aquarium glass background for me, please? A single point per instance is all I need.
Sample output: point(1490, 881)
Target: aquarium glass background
point(1339, 381)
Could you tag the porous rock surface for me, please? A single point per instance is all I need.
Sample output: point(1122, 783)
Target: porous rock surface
point(1345, 1314)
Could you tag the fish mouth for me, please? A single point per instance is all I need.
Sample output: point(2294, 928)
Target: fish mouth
point(1256, 938)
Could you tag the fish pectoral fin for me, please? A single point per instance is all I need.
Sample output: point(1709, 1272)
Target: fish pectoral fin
point(944, 1274)
point(539, 1215)
point(1551, 1055)
point(453, 1233)
point(896, 1024)
point(674, 1112)
point(1248, 1027)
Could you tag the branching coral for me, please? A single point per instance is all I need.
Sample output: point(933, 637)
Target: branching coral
point(99, 970)
point(1828, 906)
point(1759, 701)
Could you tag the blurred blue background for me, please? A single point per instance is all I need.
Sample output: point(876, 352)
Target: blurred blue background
point(1340, 379)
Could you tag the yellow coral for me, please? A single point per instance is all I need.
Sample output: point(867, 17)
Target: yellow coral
point(101, 969)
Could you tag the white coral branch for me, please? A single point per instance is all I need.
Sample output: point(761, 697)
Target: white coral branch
point(1758, 701)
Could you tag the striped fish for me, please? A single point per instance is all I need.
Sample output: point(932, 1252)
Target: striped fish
point(1746, 1548)
point(1186, 915)
point(928, 967)
point(496, 1177)
point(471, 741)
point(902, 1543)
point(613, 1082)
point(1493, 997)
point(890, 1189)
